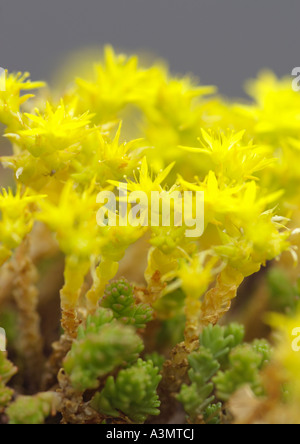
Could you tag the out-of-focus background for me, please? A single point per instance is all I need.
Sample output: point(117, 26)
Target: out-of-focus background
point(222, 42)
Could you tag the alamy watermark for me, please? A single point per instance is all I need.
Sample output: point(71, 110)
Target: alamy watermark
point(2, 340)
point(161, 209)
point(296, 80)
point(296, 341)
point(2, 79)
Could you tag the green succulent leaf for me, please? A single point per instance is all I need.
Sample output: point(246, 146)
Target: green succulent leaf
point(245, 363)
point(29, 410)
point(104, 346)
point(197, 396)
point(7, 371)
point(119, 297)
point(133, 393)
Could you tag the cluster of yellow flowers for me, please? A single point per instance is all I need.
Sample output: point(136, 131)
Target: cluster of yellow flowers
point(287, 350)
point(175, 135)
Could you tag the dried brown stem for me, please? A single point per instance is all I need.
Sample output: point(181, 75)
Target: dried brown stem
point(55, 362)
point(69, 321)
point(73, 409)
point(25, 295)
point(41, 245)
point(174, 374)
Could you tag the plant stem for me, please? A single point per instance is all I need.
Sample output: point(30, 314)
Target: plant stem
point(25, 294)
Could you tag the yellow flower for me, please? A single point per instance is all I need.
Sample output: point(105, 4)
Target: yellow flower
point(46, 143)
point(231, 159)
point(287, 352)
point(118, 82)
point(246, 232)
point(102, 158)
point(57, 129)
point(67, 151)
point(196, 275)
point(11, 99)
point(17, 218)
point(73, 219)
point(145, 182)
point(276, 111)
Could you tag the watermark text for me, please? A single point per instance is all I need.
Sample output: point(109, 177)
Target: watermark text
point(2, 79)
point(160, 209)
point(2, 340)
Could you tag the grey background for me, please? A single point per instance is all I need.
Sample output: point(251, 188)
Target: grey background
point(221, 41)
